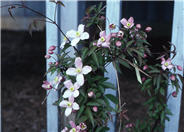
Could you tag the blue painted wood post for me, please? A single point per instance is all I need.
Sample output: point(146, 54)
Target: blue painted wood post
point(51, 39)
point(113, 16)
point(178, 40)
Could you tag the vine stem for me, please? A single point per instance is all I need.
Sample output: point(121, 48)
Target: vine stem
point(119, 94)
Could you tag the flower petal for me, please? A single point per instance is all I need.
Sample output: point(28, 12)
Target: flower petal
point(68, 84)
point(75, 106)
point(123, 21)
point(63, 103)
point(71, 72)
point(131, 20)
point(86, 69)
point(78, 62)
point(67, 94)
point(72, 124)
point(80, 79)
point(170, 66)
point(68, 111)
point(62, 44)
point(71, 34)
point(163, 67)
point(76, 93)
point(81, 28)
point(108, 38)
point(75, 41)
point(76, 86)
point(84, 36)
point(102, 34)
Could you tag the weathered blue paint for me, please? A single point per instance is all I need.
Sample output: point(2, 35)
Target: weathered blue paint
point(113, 16)
point(178, 40)
point(51, 39)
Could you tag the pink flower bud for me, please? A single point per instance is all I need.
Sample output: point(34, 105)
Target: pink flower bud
point(118, 43)
point(179, 68)
point(143, 79)
point(94, 43)
point(56, 63)
point(148, 29)
point(172, 77)
point(95, 108)
point(174, 94)
point(102, 17)
point(51, 48)
point(145, 67)
point(47, 56)
point(113, 34)
point(138, 26)
point(50, 63)
point(91, 94)
point(145, 56)
point(50, 52)
point(129, 125)
point(120, 34)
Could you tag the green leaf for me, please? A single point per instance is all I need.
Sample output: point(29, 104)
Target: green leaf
point(82, 119)
point(94, 56)
point(138, 75)
point(84, 52)
point(129, 43)
point(80, 111)
point(93, 104)
point(108, 85)
point(92, 50)
point(124, 63)
point(112, 98)
point(90, 115)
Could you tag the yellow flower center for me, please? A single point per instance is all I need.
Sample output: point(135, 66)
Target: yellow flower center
point(64, 38)
point(78, 70)
point(166, 64)
point(77, 34)
point(69, 104)
point(128, 24)
point(56, 79)
point(72, 89)
point(73, 130)
point(102, 39)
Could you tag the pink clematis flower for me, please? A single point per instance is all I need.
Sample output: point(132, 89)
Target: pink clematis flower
point(120, 34)
point(148, 29)
point(128, 24)
point(104, 40)
point(72, 89)
point(95, 108)
point(79, 71)
point(57, 81)
point(112, 26)
point(138, 26)
point(69, 105)
point(64, 130)
point(166, 64)
point(145, 67)
point(83, 126)
point(46, 85)
point(90, 94)
point(74, 127)
point(118, 43)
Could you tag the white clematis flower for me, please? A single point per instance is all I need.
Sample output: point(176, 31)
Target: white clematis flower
point(77, 35)
point(79, 71)
point(57, 81)
point(72, 89)
point(69, 105)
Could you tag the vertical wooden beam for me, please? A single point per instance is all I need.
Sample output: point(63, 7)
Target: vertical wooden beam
point(113, 12)
point(178, 40)
point(51, 39)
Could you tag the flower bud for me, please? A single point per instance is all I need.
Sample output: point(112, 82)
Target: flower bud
point(148, 29)
point(94, 43)
point(143, 79)
point(90, 94)
point(179, 68)
point(145, 67)
point(95, 108)
point(138, 26)
point(50, 52)
point(50, 63)
point(174, 94)
point(56, 63)
point(120, 34)
point(51, 48)
point(118, 43)
point(47, 56)
point(145, 56)
point(129, 125)
point(172, 77)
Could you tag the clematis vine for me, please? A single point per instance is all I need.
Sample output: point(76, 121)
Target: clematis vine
point(79, 71)
point(47, 85)
point(77, 35)
point(166, 64)
point(128, 24)
point(72, 89)
point(57, 81)
point(104, 40)
point(74, 127)
point(69, 105)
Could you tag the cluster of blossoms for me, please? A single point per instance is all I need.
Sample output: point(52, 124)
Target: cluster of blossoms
point(81, 127)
